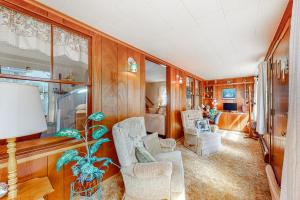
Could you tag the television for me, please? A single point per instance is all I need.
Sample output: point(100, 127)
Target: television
point(229, 93)
point(230, 106)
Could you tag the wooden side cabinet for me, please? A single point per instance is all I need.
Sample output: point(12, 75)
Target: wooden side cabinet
point(234, 121)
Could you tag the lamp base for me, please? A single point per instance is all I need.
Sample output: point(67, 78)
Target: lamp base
point(12, 169)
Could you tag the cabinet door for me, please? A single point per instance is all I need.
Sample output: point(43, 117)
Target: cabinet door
point(223, 123)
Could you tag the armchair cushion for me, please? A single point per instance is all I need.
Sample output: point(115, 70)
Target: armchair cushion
point(143, 156)
point(152, 143)
point(202, 125)
point(177, 180)
point(150, 170)
point(168, 144)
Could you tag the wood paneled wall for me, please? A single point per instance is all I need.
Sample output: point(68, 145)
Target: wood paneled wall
point(175, 102)
point(115, 91)
point(119, 94)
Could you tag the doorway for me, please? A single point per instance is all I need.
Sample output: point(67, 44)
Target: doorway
point(156, 98)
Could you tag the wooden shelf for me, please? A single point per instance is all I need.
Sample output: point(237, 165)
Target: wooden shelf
point(34, 189)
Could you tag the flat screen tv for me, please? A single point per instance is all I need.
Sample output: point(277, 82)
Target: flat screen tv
point(230, 106)
point(229, 93)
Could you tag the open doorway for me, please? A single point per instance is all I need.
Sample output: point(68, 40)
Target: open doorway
point(156, 98)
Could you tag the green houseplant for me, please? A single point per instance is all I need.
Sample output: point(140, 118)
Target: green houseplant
point(88, 175)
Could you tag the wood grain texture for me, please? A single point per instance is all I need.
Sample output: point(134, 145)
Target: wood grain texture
point(280, 101)
point(143, 86)
point(122, 82)
point(96, 75)
point(134, 83)
point(109, 95)
point(56, 178)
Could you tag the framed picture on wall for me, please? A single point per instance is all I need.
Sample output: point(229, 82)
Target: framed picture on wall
point(229, 93)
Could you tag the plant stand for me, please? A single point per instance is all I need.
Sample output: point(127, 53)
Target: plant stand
point(86, 194)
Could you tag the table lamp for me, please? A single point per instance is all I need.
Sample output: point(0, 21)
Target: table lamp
point(21, 114)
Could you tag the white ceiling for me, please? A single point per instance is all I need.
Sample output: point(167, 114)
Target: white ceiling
point(211, 38)
point(155, 72)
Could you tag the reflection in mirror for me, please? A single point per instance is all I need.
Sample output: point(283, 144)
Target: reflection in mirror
point(65, 106)
point(189, 93)
point(26, 55)
point(70, 56)
point(156, 98)
point(25, 44)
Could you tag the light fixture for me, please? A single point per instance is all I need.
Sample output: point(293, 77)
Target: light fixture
point(133, 67)
point(179, 79)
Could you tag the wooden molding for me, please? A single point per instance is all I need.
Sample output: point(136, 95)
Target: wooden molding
point(283, 26)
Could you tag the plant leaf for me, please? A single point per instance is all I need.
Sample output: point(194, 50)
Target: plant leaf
point(97, 116)
point(68, 156)
point(94, 147)
point(68, 132)
point(96, 159)
point(99, 132)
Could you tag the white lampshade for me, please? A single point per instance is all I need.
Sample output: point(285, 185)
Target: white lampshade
point(21, 111)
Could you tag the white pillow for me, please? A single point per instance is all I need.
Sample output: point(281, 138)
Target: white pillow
point(152, 143)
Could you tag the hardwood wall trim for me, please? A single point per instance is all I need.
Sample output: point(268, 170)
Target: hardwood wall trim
point(281, 28)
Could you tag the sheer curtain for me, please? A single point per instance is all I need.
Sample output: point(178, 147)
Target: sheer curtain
point(27, 33)
point(290, 187)
point(261, 107)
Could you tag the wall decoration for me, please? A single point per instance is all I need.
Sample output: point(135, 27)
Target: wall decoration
point(229, 93)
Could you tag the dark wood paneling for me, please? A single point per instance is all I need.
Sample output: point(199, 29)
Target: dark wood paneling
point(109, 95)
point(143, 85)
point(134, 84)
point(56, 178)
point(96, 69)
point(280, 94)
point(122, 82)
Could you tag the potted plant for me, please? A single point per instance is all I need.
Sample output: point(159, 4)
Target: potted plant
point(88, 175)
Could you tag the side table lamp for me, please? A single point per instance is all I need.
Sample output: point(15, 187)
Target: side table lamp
point(21, 114)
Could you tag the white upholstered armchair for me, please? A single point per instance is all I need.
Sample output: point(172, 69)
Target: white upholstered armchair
point(162, 179)
point(201, 143)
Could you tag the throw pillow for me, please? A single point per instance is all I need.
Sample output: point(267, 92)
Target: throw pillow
point(143, 156)
point(152, 143)
point(202, 125)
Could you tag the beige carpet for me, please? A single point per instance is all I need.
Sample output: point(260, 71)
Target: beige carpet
point(236, 172)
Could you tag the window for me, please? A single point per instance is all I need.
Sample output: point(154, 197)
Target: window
point(51, 58)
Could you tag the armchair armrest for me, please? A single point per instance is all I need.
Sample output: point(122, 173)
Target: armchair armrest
point(168, 144)
point(152, 169)
point(191, 131)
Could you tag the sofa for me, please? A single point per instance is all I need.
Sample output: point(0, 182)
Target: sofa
point(162, 179)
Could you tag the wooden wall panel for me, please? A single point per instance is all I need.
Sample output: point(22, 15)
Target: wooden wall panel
point(122, 82)
point(134, 84)
point(176, 101)
point(143, 85)
point(56, 178)
point(96, 72)
point(109, 95)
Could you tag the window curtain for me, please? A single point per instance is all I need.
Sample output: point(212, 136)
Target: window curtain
point(261, 108)
point(254, 117)
point(290, 186)
point(26, 33)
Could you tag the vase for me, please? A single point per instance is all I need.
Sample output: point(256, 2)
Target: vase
point(87, 191)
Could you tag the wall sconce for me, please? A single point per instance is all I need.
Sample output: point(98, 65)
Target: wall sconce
point(179, 79)
point(133, 67)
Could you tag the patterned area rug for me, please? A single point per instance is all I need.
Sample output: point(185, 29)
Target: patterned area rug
point(236, 172)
